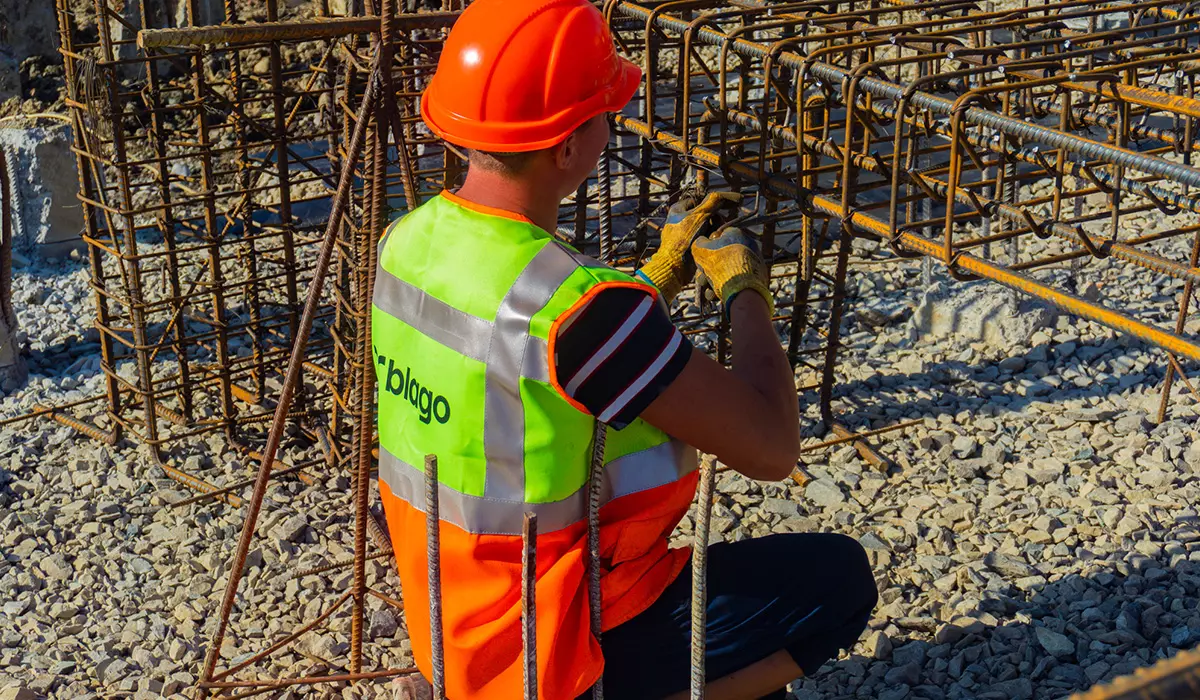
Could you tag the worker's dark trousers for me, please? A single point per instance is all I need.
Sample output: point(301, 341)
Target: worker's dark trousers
point(810, 594)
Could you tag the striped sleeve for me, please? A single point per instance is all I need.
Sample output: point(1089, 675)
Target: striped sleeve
point(617, 353)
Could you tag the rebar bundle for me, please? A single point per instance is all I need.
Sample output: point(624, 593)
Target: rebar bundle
point(236, 180)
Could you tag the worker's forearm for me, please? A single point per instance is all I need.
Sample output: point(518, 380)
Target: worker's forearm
point(759, 360)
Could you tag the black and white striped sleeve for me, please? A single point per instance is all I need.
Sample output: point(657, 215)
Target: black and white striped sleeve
point(616, 355)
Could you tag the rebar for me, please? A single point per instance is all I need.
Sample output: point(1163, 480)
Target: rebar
point(295, 364)
point(595, 490)
point(433, 551)
point(529, 666)
point(700, 576)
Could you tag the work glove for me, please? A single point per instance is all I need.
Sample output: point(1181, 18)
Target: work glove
point(732, 263)
point(672, 266)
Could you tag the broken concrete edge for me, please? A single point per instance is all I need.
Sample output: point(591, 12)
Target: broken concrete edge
point(977, 313)
point(43, 189)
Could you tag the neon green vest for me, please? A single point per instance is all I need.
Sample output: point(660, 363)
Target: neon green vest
point(463, 307)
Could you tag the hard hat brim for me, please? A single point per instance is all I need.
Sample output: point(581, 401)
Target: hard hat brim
point(520, 137)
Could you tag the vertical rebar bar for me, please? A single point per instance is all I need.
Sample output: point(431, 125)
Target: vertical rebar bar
point(166, 222)
point(604, 206)
point(88, 194)
point(581, 199)
point(700, 576)
point(529, 605)
point(595, 486)
point(292, 377)
point(282, 170)
point(129, 261)
point(8, 317)
point(433, 551)
point(212, 237)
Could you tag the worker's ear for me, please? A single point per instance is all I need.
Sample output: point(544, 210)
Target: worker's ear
point(567, 153)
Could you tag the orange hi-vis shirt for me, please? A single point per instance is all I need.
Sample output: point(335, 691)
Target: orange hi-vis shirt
point(481, 592)
point(472, 381)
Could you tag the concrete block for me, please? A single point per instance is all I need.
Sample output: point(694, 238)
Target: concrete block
point(160, 14)
point(28, 28)
point(47, 216)
point(10, 75)
point(1104, 23)
point(208, 12)
point(978, 312)
point(13, 370)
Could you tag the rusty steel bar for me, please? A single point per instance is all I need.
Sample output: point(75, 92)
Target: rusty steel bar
point(700, 576)
point(309, 680)
point(849, 436)
point(333, 566)
point(107, 437)
point(595, 488)
point(529, 666)
point(433, 552)
point(310, 30)
point(295, 366)
point(1175, 678)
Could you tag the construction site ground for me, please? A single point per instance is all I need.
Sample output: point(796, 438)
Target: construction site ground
point(1036, 534)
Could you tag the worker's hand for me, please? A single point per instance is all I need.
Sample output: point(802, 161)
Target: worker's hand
point(672, 266)
point(732, 263)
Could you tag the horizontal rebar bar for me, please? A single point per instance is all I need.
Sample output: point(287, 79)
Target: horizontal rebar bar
point(917, 244)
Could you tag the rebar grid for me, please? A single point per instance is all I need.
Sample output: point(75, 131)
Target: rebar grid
point(1033, 142)
point(1000, 143)
point(205, 175)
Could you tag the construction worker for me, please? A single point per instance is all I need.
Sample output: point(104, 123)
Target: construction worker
point(498, 348)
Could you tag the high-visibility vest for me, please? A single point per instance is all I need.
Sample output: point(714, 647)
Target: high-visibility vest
point(467, 303)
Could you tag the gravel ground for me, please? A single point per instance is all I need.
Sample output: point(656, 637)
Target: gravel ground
point(1036, 534)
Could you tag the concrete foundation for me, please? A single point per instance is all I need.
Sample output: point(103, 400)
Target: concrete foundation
point(44, 188)
point(10, 76)
point(979, 312)
point(159, 14)
point(28, 28)
point(1103, 23)
point(13, 370)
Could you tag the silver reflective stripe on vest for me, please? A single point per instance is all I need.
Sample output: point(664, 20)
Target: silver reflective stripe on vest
point(510, 353)
point(584, 260)
point(459, 331)
point(475, 514)
point(503, 412)
point(641, 471)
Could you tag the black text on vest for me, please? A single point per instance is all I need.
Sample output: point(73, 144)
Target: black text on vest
point(405, 385)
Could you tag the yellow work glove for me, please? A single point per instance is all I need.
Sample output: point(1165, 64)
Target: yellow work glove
point(732, 263)
point(671, 266)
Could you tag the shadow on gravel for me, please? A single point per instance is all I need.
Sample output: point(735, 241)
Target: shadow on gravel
point(1029, 639)
point(1107, 369)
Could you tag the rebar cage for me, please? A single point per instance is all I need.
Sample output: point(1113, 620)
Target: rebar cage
point(228, 163)
point(998, 142)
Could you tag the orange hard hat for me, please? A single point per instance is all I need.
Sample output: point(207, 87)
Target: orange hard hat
point(521, 75)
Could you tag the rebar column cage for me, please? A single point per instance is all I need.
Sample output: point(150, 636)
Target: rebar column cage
point(205, 174)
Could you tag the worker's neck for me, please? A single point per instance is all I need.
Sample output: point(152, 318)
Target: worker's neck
point(525, 196)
